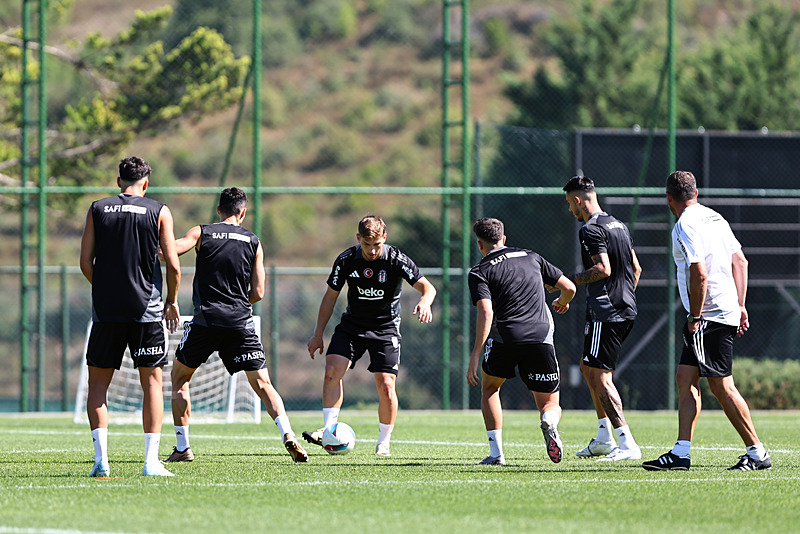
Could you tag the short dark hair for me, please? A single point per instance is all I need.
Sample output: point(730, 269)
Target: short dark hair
point(371, 227)
point(682, 185)
point(231, 201)
point(489, 230)
point(133, 169)
point(584, 184)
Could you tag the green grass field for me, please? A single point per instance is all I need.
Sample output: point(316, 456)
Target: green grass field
point(243, 481)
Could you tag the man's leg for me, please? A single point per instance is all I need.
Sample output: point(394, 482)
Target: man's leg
point(332, 395)
point(492, 410)
point(97, 411)
point(550, 410)
point(262, 385)
point(96, 407)
point(387, 397)
point(586, 372)
point(602, 380)
point(260, 382)
point(387, 410)
point(689, 400)
point(180, 377)
point(181, 399)
point(151, 379)
point(735, 407)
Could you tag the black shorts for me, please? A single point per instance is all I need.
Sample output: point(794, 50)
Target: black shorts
point(710, 348)
point(384, 351)
point(537, 363)
point(239, 349)
point(107, 343)
point(601, 342)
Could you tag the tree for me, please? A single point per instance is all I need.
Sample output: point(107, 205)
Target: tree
point(133, 88)
point(746, 80)
point(602, 74)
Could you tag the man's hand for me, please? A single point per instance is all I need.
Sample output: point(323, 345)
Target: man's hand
point(172, 315)
point(560, 308)
point(423, 312)
point(472, 371)
point(744, 322)
point(315, 344)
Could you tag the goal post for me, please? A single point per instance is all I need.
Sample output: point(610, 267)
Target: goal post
point(217, 397)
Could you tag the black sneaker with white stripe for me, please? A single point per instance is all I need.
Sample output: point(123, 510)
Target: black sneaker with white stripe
point(668, 462)
point(746, 463)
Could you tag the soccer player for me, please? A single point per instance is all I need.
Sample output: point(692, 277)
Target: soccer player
point(229, 278)
point(611, 274)
point(374, 272)
point(516, 328)
point(119, 257)
point(712, 280)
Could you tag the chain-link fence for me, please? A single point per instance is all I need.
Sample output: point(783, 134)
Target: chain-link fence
point(350, 124)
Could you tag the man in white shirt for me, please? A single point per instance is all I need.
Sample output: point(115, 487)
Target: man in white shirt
point(712, 279)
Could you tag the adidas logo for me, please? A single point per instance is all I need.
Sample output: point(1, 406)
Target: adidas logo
point(586, 358)
point(354, 274)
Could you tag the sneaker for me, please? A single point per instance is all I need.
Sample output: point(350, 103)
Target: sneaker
point(596, 448)
point(493, 460)
point(156, 470)
point(315, 438)
point(185, 455)
point(552, 441)
point(747, 463)
point(382, 449)
point(668, 462)
point(622, 454)
point(296, 451)
point(100, 470)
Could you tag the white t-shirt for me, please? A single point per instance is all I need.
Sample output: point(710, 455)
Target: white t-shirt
point(702, 235)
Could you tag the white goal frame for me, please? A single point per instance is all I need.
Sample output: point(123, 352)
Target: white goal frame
point(217, 397)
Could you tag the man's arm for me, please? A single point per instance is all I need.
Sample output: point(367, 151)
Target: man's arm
point(189, 241)
point(601, 269)
point(325, 312)
point(739, 267)
point(258, 277)
point(88, 248)
point(423, 307)
point(637, 269)
point(561, 304)
point(167, 241)
point(698, 286)
point(482, 328)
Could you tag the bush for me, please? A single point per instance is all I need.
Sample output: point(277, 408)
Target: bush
point(764, 384)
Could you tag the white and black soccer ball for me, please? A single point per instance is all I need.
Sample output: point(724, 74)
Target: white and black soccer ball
point(338, 439)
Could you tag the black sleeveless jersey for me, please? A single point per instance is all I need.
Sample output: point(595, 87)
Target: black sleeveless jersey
point(513, 279)
point(611, 299)
point(126, 282)
point(224, 267)
point(373, 295)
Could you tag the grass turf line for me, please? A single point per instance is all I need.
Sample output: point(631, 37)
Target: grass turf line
point(243, 479)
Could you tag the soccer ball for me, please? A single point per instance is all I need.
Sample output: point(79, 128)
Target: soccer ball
point(338, 439)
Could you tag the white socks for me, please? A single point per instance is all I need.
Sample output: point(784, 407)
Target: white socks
point(284, 426)
point(384, 433)
point(551, 417)
point(604, 428)
point(151, 443)
point(182, 437)
point(625, 437)
point(100, 441)
point(681, 448)
point(495, 442)
point(757, 451)
point(330, 416)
